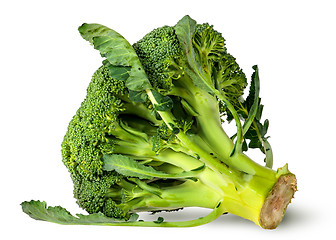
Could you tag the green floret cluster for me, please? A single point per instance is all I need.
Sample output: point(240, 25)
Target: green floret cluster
point(160, 54)
point(148, 137)
point(86, 140)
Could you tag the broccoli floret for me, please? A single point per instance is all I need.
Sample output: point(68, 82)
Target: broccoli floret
point(91, 195)
point(86, 139)
point(148, 136)
point(160, 54)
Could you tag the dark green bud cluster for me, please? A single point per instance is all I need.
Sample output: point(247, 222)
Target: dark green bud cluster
point(90, 195)
point(159, 52)
point(87, 137)
point(162, 137)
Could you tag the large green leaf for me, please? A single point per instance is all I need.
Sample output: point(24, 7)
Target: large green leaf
point(38, 210)
point(119, 53)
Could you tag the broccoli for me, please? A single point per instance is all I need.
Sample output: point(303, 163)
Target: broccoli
point(148, 137)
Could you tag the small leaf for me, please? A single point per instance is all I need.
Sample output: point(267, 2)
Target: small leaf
point(127, 166)
point(259, 126)
point(265, 128)
point(253, 100)
point(254, 143)
point(159, 220)
point(137, 96)
point(132, 168)
point(259, 112)
point(244, 146)
point(163, 103)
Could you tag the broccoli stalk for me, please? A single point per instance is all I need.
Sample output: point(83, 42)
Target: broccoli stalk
point(148, 136)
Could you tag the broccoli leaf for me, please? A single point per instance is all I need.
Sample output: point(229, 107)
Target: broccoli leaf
point(253, 100)
point(119, 52)
point(129, 167)
point(38, 210)
point(185, 30)
point(253, 129)
point(137, 96)
point(159, 220)
point(163, 103)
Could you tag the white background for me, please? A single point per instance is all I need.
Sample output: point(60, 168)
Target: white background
point(46, 67)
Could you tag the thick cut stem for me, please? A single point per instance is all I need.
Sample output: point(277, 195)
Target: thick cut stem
point(262, 201)
point(275, 205)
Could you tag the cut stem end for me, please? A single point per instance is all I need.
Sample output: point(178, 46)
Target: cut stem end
point(275, 205)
